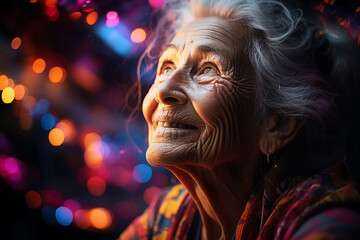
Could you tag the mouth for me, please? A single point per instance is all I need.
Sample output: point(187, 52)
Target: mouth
point(175, 125)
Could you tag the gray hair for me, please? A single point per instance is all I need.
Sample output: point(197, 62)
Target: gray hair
point(281, 51)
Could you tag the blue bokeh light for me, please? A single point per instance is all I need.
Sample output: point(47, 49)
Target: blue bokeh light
point(41, 107)
point(48, 215)
point(142, 173)
point(48, 121)
point(64, 216)
point(118, 38)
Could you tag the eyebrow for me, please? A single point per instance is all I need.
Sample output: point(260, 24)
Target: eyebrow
point(200, 48)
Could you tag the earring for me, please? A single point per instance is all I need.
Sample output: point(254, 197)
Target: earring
point(268, 158)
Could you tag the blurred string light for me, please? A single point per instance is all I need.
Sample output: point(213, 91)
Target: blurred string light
point(75, 15)
point(48, 121)
point(8, 95)
point(33, 199)
point(142, 173)
point(39, 65)
point(56, 137)
point(138, 35)
point(4, 82)
point(100, 218)
point(16, 43)
point(156, 3)
point(57, 74)
point(112, 19)
point(91, 18)
point(96, 186)
point(118, 38)
point(64, 216)
point(19, 91)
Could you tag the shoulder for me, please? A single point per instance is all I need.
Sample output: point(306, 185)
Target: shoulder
point(159, 215)
point(334, 223)
point(331, 190)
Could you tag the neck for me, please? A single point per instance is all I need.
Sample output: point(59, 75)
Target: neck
point(220, 194)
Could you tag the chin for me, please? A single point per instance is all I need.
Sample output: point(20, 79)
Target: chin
point(162, 156)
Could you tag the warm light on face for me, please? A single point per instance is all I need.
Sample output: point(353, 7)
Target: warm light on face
point(16, 43)
point(8, 95)
point(39, 65)
point(92, 18)
point(19, 92)
point(57, 74)
point(138, 35)
point(100, 218)
point(56, 137)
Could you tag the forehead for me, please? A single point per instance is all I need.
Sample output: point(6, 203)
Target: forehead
point(211, 34)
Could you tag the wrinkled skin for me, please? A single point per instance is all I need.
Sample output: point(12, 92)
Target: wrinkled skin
point(205, 81)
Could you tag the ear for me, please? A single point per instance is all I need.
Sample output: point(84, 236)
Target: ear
point(278, 133)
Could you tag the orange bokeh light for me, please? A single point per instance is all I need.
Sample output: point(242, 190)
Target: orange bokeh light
point(57, 74)
point(16, 43)
point(33, 199)
point(149, 193)
point(75, 15)
point(68, 129)
point(50, 2)
point(56, 137)
point(93, 157)
point(100, 218)
point(91, 138)
point(19, 92)
point(82, 219)
point(92, 18)
point(138, 35)
point(4, 82)
point(96, 186)
point(39, 65)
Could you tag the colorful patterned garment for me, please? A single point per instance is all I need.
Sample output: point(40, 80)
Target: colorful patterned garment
point(325, 206)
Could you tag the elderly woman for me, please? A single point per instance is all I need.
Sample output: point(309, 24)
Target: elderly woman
point(234, 114)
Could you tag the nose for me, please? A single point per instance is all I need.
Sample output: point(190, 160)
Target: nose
point(171, 91)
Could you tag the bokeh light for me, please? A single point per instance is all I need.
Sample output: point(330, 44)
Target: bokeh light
point(56, 137)
point(112, 19)
point(82, 219)
point(75, 15)
point(16, 43)
point(91, 138)
point(156, 3)
point(8, 95)
point(33, 199)
point(49, 3)
point(149, 193)
point(19, 91)
point(72, 204)
point(4, 82)
point(91, 18)
point(39, 65)
point(48, 121)
point(57, 74)
point(127, 209)
point(138, 35)
point(64, 216)
point(142, 173)
point(100, 218)
point(96, 186)
point(41, 107)
point(68, 129)
point(92, 156)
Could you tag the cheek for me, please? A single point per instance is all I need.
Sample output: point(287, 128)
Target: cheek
point(149, 104)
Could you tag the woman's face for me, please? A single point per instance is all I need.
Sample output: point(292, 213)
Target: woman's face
point(200, 108)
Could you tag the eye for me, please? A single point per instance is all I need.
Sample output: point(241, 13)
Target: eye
point(167, 70)
point(208, 70)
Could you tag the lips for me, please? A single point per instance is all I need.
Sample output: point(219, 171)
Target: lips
point(166, 124)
